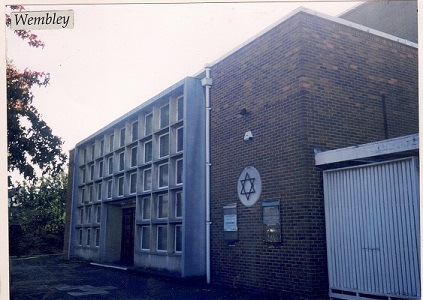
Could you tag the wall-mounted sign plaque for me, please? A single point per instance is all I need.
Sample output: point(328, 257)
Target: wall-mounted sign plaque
point(249, 186)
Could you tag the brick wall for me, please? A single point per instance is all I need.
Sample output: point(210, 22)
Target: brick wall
point(306, 83)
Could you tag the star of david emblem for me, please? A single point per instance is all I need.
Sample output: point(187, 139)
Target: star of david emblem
point(247, 186)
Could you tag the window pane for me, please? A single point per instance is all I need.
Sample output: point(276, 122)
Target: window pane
point(100, 169)
point(120, 186)
point(180, 139)
point(179, 173)
point(145, 238)
point(92, 172)
point(147, 180)
point(164, 116)
point(88, 237)
point(134, 131)
point(109, 189)
point(148, 124)
point(90, 193)
point(97, 237)
point(111, 142)
point(93, 151)
point(178, 205)
point(121, 161)
point(101, 147)
point(98, 214)
point(145, 209)
point(122, 137)
point(163, 175)
point(180, 115)
point(110, 165)
point(148, 152)
point(178, 238)
point(162, 238)
point(164, 145)
point(82, 195)
point(133, 183)
point(80, 237)
point(99, 191)
point(162, 206)
point(83, 175)
point(134, 154)
point(88, 215)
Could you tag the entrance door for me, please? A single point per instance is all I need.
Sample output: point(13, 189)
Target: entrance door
point(128, 223)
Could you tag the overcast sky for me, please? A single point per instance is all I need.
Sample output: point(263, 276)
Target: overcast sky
point(119, 56)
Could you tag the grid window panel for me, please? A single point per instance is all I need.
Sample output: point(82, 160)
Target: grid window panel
point(80, 237)
point(134, 156)
point(134, 132)
point(146, 208)
point(83, 175)
point(180, 139)
point(163, 175)
point(102, 147)
point(162, 238)
point(133, 183)
point(98, 214)
point(145, 237)
point(148, 124)
point(88, 215)
point(92, 151)
point(164, 116)
point(92, 172)
point(110, 162)
point(178, 205)
point(164, 145)
point(122, 137)
point(90, 193)
point(82, 195)
point(178, 238)
point(163, 206)
point(81, 215)
point(88, 237)
point(179, 171)
point(147, 183)
point(148, 152)
point(180, 112)
point(84, 155)
point(120, 186)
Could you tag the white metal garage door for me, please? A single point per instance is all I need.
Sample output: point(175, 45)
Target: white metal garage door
point(372, 228)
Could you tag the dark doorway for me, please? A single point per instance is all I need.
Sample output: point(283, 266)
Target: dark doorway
point(128, 223)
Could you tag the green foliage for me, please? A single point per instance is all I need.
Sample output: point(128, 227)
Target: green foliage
point(37, 216)
point(31, 143)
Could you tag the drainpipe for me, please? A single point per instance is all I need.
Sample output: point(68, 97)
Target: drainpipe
point(207, 83)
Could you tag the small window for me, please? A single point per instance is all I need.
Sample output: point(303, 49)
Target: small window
point(134, 156)
point(88, 237)
point(111, 142)
point(81, 215)
point(179, 139)
point(134, 132)
point(163, 175)
point(122, 137)
point(90, 194)
point(148, 152)
point(178, 205)
point(121, 161)
point(164, 145)
point(84, 155)
point(120, 186)
point(145, 214)
point(178, 238)
point(162, 238)
point(109, 189)
point(102, 147)
point(82, 195)
point(93, 151)
point(88, 215)
point(162, 206)
point(100, 169)
point(180, 113)
point(97, 237)
point(99, 190)
point(110, 162)
point(133, 183)
point(179, 171)
point(164, 116)
point(147, 180)
point(83, 175)
point(145, 237)
point(80, 237)
point(271, 221)
point(98, 214)
point(148, 124)
point(92, 172)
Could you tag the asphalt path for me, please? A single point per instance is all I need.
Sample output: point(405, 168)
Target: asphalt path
point(52, 277)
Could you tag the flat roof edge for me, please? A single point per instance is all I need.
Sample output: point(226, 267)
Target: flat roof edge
point(390, 146)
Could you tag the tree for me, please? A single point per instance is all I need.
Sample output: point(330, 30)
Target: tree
point(34, 145)
point(37, 216)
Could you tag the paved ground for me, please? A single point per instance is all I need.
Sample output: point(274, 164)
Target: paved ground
point(51, 277)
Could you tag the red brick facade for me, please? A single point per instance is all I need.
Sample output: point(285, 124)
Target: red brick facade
point(307, 83)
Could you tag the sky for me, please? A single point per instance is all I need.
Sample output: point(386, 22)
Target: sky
point(118, 56)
